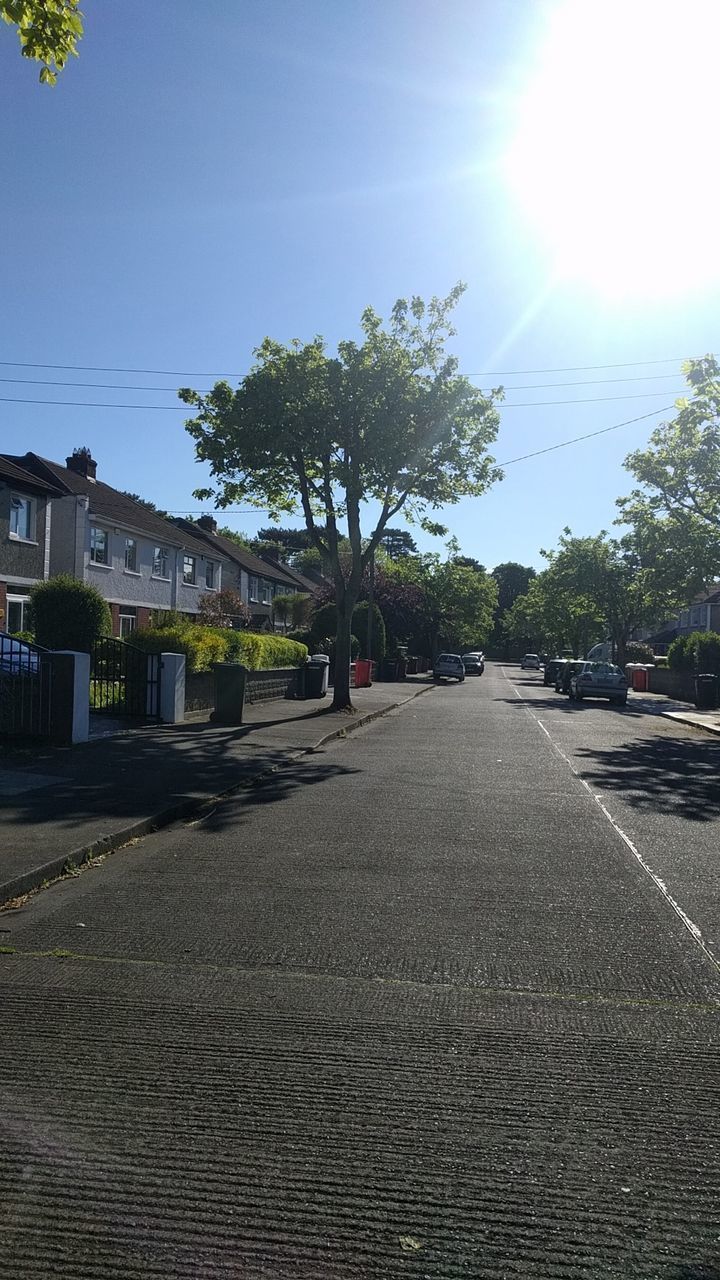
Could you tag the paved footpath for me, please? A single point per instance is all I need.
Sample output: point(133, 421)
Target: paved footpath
point(421, 1013)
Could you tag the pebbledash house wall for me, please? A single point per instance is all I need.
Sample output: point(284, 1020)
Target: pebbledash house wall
point(120, 586)
point(23, 563)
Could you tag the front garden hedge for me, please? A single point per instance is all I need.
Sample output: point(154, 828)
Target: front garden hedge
point(203, 646)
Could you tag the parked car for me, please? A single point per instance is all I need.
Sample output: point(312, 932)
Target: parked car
point(552, 668)
point(530, 662)
point(565, 674)
point(474, 663)
point(449, 666)
point(599, 680)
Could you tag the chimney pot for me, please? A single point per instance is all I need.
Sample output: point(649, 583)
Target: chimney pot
point(82, 463)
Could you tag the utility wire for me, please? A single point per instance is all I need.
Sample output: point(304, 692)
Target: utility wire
point(179, 408)
point(576, 439)
point(174, 373)
point(126, 386)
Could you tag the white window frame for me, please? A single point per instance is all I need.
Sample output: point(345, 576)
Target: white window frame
point(160, 554)
point(253, 587)
point(131, 543)
point(104, 564)
point(124, 618)
point(18, 501)
point(211, 569)
point(189, 577)
point(266, 591)
point(23, 602)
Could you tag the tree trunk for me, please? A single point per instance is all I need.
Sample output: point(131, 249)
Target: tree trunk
point(341, 696)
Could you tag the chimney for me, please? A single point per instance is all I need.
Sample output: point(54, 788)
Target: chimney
point(82, 463)
point(208, 523)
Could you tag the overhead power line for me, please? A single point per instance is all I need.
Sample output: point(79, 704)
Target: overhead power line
point(181, 408)
point(128, 386)
point(576, 439)
point(177, 373)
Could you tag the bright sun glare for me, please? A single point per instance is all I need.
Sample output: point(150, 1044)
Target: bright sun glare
point(613, 159)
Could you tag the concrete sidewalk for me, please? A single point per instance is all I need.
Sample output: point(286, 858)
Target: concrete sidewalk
point(683, 712)
point(59, 807)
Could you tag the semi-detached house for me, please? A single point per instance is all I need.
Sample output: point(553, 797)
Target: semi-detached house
point(25, 531)
point(138, 560)
point(257, 581)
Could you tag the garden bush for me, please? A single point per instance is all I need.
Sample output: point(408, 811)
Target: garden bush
point(324, 621)
point(68, 614)
point(204, 646)
point(301, 637)
point(700, 651)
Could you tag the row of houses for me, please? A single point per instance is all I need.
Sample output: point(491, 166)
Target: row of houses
point(62, 519)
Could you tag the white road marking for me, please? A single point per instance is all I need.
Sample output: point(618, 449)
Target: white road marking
point(689, 924)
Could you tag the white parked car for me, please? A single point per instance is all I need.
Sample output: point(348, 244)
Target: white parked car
point(449, 666)
point(599, 680)
point(531, 662)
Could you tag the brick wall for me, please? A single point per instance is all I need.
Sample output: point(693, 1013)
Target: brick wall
point(264, 686)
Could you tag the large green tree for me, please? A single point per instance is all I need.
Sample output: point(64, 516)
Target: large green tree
point(674, 514)
point(452, 606)
point(513, 580)
point(48, 30)
point(593, 589)
point(388, 420)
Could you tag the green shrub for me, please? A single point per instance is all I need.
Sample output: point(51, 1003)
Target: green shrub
point(301, 637)
point(700, 651)
point(359, 629)
point(27, 636)
point(68, 614)
point(204, 646)
point(324, 621)
point(636, 651)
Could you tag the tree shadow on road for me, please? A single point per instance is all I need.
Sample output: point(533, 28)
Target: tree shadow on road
point(679, 776)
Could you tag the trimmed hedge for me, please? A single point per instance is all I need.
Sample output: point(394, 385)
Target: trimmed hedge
point(204, 646)
point(700, 651)
point(68, 614)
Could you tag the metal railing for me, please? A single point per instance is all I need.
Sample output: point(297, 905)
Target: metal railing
point(124, 681)
point(25, 688)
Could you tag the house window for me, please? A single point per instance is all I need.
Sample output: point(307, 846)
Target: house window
point(22, 517)
point(210, 574)
point(17, 613)
point(253, 588)
point(189, 571)
point(696, 615)
point(99, 546)
point(131, 555)
point(160, 562)
point(265, 591)
point(128, 622)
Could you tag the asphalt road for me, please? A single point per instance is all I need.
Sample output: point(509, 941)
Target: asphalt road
point(425, 1005)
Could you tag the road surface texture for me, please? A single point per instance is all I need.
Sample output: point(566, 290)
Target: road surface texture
point(417, 1007)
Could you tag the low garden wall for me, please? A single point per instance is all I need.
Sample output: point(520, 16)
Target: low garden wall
point(674, 684)
point(199, 690)
point(278, 682)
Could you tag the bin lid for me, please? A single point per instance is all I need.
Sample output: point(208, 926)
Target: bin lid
point(320, 658)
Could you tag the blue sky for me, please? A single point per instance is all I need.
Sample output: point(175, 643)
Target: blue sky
point(205, 175)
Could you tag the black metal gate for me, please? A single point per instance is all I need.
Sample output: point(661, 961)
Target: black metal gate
point(124, 681)
point(25, 689)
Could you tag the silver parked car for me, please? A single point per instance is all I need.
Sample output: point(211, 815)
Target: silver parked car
point(599, 680)
point(449, 666)
point(531, 662)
